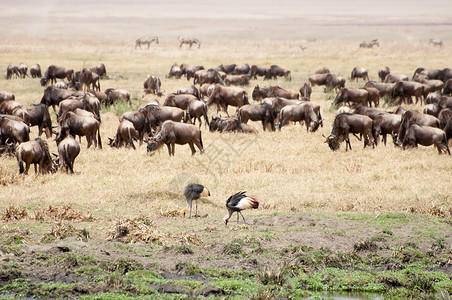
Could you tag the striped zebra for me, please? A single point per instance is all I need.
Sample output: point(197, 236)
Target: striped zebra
point(148, 42)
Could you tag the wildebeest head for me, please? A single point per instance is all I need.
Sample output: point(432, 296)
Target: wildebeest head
point(256, 93)
point(214, 123)
point(332, 141)
point(44, 80)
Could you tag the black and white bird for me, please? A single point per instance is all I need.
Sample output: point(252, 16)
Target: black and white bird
point(194, 191)
point(237, 203)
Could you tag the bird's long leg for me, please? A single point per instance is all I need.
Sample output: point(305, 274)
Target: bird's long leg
point(189, 204)
point(238, 217)
point(242, 217)
point(196, 208)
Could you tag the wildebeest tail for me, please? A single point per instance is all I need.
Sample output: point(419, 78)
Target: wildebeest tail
point(130, 134)
point(280, 119)
point(374, 133)
point(98, 138)
point(239, 124)
point(320, 118)
point(200, 139)
point(21, 167)
point(245, 99)
point(205, 115)
point(68, 159)
point(445, 143)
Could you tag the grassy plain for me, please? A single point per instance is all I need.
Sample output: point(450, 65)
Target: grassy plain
point(312, 199)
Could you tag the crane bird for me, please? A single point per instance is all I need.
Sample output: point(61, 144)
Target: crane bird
point(239, 202)
point(194, 191)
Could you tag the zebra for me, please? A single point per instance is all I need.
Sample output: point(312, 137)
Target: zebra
point(370, 45)
point(189, 41)
point(148, 42)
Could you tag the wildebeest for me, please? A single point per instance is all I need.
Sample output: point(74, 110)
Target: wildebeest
point(53, 72)
point(189, 70)
point(7, 107)
point(382, 73)
point(359, 73)
point(305, 92)
point(81, 126)
point(225, 96)
point(405, 90)
point(393, 78)
point(228, 69)
point(152, 85)
point(260, 93)
point(373, 96)
point(426, 136)
point(385, 89)
point(156, 115)
point(179, 100)
point(344, 124)
point(175, 71)
point(6, 96)
point(99, 70)
point(370, 44)
point(367, 111)
point(230, 125)
point(207, 76)
point(38, 115)
point(276, 71)
point(297, 113)
point(124, 135)
point(23, 69)
point(71, 104)
point(139, 120)
point(353, 97)
point(429, 73)
point(318, 79)
point(323, 70)
point(436, 42)
point(256, 70)
point(12, 70)
point(411, 117)
point(188, 41)
point(243, 69)
point(88, 78)
point(385, 123)
point(117, 94)
point(14, 130)
point(148, 42)
point(237, 80)
point(196, 110)
point(334, 82)
point(173, 133)
point(191, 90)
point(35, 71)
point(444, 117)
point(34, 152)
point(447, 89)
point(431, 109)
point(68, 150)
point(257, 112)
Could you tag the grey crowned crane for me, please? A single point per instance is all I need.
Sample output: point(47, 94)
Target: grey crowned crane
point(237, 203)
point(194, 191)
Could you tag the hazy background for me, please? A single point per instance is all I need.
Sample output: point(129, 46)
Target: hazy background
point(414, 20)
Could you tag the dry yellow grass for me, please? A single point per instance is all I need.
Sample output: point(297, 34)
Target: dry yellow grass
point(285, 170)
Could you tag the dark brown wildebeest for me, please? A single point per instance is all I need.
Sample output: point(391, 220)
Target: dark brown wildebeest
point(370, 44)
point(298, 113)
point(81, 126)
point(305, 92)
point(124, 135)
point(196, 110)
point(191, 90)
point(367, 111)
point(189, 41)
point(257, 112)
point(242, 69)
point(444, 117)
point(175, 71)
point(156, 115)
point(34, 152)
point(71, 104)
point(115, 95)
point(445, 102)
point(374, 96)
point(101, 96)
point(228, 69)
point(382, 73)
point(68, 150)
point(405, 90)
point(179, 100)
point(87, 79)
point(99, 70)
point(206, 90)
point(189, 70)
point(152, 85)
point(140, 122)
point(237, 80)
point(359, 73)
point(431, 109)
point(35, 71)
point(411, 117)
point(260, 93)
point(385, 89)
point(61, 85)
point(426, 136)
point(353, 97)
point(140, 41)
point(23, 69)
point(278, 103)
point(53, 72)
point(6, 96)
point(225, 96)
point(385, 123)
point(430, 86)
point(13, 129)
point(429, 74)
point(446, 74)
point(433, 98)
point(393, 78)
point(38, 115)
point(447, 90)
point(207, 76)
point(276, 71)
point(323, 70)
point(334, 82)
point(344, 124)
point(318, 79)
point(256, 70)
point(173, 133)
point(230, 125)
point(7, 107)
point(12, 70)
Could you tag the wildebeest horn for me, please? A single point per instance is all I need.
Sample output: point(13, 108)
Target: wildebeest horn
point(54, 154)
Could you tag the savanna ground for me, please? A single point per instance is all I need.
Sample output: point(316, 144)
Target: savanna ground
point(376, 222)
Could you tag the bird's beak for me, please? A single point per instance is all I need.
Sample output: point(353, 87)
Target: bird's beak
point(205, 192)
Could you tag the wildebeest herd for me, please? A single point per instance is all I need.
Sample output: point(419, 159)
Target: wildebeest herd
point(79, 99)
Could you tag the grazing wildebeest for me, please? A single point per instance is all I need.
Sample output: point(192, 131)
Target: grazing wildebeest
point(241, 69)
point(175, 71)
point(344, 124)
point(260, 93)
point(188, 41)
point(359, 73)
point(367, 111)
point(207, 76)
point(411, 117)
point(71, 104)
point(405, 90)
point(34, 152)
point(38, 115)
point(334, 82)
point(374, 96)
point(447, 90)
point(318, 79)
point(228, 69)
point(124, 135)
point(278, 103)
point(382, 73)
point(237, 80)
point(190, 70)
point(99, 70)
point(35, 71)
point(53, 72)
point(370, 44)
point(88, 78)
point(12, 70)
point(393, 78)
point(148, 42)
point(191, 90)
point(156, 115)
point(140, 122)
point(13, 129)
point(353, 97)
point(206, 90)
point(152, 85)
point(436, 42)
point(115, 95)
point(444, 117)
point(82, 126)
point(68, 150)
point(230, 125)
point(256, 70)
point(179, 100)
point(276, 71)
point(426, 136)
point(305, 92)
point(196, 110)
point(298, 113)
point(6, 96)
point(385, 89)
point(173, 133)
point(23, 68)
point(323, 70)
point(257, 112)
point(385, 123)
point(7, 107)
point(225, 96)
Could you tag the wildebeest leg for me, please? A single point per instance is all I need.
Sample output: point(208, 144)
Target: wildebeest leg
point(193, 151)
point(169, 148)
point(384, 138)
point(36, 169)
point(89, 140)
point(173, 147)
